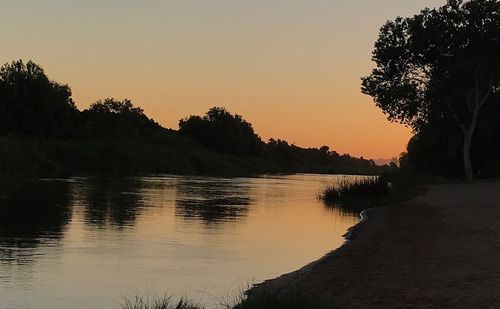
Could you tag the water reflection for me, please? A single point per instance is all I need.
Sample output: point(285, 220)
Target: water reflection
point(31, 212)
point(213, 202)
point(343, 209)
point(115, 237)
point(110, 201)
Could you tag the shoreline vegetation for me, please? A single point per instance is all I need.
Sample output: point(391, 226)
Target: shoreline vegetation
point(367, 188)
point(43, 133)
point(21, 156)
point(391, 187)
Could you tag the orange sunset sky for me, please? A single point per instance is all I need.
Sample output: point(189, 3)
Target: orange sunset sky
point(291, 68)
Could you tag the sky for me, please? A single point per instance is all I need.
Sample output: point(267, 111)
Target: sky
point(291, 68)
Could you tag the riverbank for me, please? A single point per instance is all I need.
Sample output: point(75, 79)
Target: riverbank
point(174, 154)
point(438, 250)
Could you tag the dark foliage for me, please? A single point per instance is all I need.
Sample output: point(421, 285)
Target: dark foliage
point(437, 148)
point(318, 160)
point(33, 105)
point(228, 133)
point(113, 119)
point(439, 72)
point(42, 132)
point(223, 132)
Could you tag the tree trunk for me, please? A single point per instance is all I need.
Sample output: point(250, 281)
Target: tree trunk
point(468, 134)
point(469, 172)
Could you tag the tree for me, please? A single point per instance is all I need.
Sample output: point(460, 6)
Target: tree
point(113, 106)
point(115, 119)
point(440, 65)
point(31, 104)
point(222, 131)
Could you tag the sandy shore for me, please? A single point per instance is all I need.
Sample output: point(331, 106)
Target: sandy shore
point(440, 250)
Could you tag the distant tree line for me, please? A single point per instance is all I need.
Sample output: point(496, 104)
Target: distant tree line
point(37, 109)
point(228, 133)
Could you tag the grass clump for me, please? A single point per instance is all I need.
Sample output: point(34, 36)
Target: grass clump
point(390, 188)
point(360, 188)
point(158, 302)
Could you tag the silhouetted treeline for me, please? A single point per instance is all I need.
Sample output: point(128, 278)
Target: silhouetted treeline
point(41, 131)
point(228, 133)
point(318, 160)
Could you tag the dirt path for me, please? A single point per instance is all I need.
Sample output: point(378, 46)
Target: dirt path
point(441, 250)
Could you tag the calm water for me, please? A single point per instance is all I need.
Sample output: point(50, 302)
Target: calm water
point(88, 243)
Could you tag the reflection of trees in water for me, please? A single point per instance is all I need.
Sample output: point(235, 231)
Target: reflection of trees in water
point(349, 209)
point(212, 201)
point(31, 212)
point(111, 201)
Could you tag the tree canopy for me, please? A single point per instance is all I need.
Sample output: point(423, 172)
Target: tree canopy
point(115, 119)
point(441, 65)
point(220, 130)
point(31, 104)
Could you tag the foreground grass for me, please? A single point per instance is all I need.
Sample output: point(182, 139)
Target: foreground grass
point(158, 302)
point(270, 300)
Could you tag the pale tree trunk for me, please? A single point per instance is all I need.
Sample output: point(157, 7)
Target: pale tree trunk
point(468, 135)
point(475, 101)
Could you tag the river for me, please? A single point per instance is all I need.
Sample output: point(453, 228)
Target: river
point(91, 242)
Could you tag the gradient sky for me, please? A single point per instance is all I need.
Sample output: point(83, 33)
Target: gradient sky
point(291, 68)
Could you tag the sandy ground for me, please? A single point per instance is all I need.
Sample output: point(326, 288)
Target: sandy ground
point(440, 250)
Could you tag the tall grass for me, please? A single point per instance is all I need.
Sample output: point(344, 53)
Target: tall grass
point(158, 302)
point(360, 188)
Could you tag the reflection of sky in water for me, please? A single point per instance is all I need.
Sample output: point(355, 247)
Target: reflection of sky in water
point(90, 242)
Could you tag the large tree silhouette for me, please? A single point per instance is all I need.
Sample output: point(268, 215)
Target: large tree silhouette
point(440, 65)
point(31, 104)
